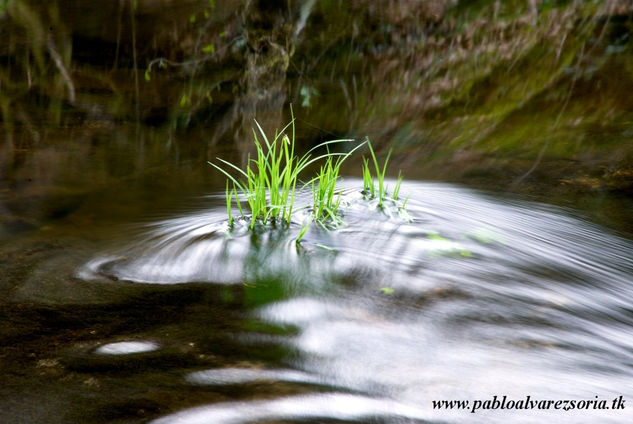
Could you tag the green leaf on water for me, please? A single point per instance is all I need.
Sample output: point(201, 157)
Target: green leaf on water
point(483, 235)
point(209, 48)
point(387, 290)
point(322, 246)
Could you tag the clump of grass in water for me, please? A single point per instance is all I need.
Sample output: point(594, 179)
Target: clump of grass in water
point(325, 200)
point(369, 184)
point(270, 180)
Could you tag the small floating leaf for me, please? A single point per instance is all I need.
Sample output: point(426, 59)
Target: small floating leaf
point(322, 246)
point(482, 235)
point(387, 290)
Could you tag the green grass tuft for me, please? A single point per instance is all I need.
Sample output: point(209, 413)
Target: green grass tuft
point(369, 184)
point(269, 182)
point(325, 199)
point(396, 189)
point(368, 181)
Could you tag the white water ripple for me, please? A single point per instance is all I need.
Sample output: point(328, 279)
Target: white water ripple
point(331, 405)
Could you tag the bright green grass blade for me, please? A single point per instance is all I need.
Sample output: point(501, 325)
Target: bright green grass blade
point(229, 197)
point(302, 232)
point(396, 189)
point(237, 201)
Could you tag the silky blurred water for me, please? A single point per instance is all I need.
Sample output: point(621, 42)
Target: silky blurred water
point(465, 297)
point(125, 297)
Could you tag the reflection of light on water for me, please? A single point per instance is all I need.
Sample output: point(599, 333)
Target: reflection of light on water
point(245, 375)
point(192, 248)
point(487, 297)
point(126, 348)
point(331, 405)
point(197, 248)
point(417, 356)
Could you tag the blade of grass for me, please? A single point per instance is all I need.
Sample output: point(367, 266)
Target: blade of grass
point(229, 201)
point(396, 189)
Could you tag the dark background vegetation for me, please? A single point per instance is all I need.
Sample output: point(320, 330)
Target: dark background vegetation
point(521, 96)
point(110, 110)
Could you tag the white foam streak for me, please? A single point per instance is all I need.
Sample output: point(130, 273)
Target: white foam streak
point(334, 405)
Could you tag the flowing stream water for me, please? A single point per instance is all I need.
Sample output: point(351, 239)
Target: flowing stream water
point(124, 297)
point(466, 297)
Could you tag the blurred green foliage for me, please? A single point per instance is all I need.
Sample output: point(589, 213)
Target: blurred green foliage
point(524, 86)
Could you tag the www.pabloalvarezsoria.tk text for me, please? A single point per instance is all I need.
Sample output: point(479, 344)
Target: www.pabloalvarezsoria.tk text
point(527, 403)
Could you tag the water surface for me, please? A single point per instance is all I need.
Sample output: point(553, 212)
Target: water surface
point(176, 319)
point(125, 299)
